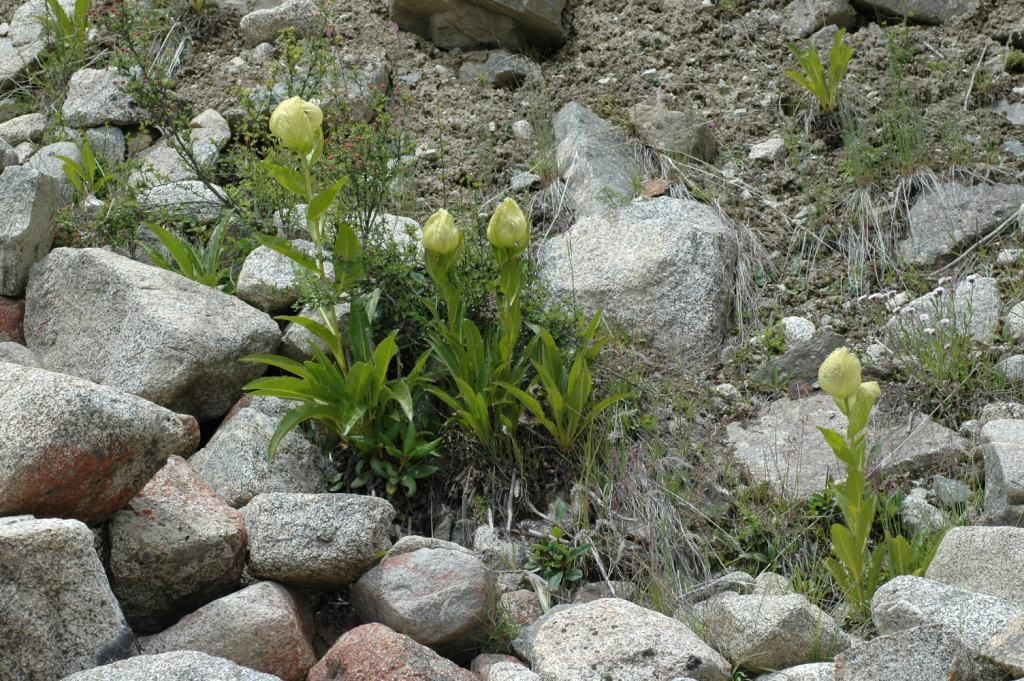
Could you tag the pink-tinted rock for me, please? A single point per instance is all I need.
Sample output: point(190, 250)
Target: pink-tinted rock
point(440, 597)
point(12, 320)
point(374, 652)
point(261, 627)
point(521, 606)
point(175, 547)
point(482, 664)
point(70, 448)
point(192, 432)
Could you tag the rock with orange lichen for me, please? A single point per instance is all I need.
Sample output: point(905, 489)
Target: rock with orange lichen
point(70, 448)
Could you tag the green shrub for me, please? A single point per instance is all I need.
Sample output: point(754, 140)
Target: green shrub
point(823, 84)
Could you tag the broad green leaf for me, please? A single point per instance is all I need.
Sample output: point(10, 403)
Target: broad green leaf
point(322, 201)
point(292, 180)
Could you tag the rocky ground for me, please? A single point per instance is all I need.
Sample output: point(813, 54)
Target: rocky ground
point(732, 231)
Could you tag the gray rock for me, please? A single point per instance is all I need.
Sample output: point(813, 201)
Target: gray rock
point(1012, 368)
point(989, 560)
point(736, 582)
point(1011, 516)
point(683, 133)
point(596, 160)
point(509, 671)
point(28, 202)
point(1014, 322)
point(324, 541)
point(173, 548)
point(1003, 448)
point(16, 353)
point(501, 70)
point(27, 27)
point(98, 97)
point(924, 11)
point(27, 128)
point(801, 361)
point(297, 339)
point(797, 330)
point(291, 222)
point(439, 597)
point(8, 156)
point(17, 59)
point(662, 268)
point(511, 24)
point(523, 181)
point(770, 150)
point(261, 627)
point(953, 216)
point(500, 553)
point(906, 602)
point(414, 542)
point(612, 638)
point(815, 671)
point(596, 590)
point(522, 129)
point(1006, 648)
point(973, 307)
point(784, 447)
point(772, 584)
point(109, 145)
point(994, 411)
point(1013, 113)
point(48, 162)
point(235, 463)
point(189, 199)
point(804, 17)
point(73, 449)
point(950, 493)
point(919, 515)
point(181, 665)
point(1008, 257)
point(360, 87)
point(24, 151)
point(57, 614)
point(263, 25)
point(208, 133)
point(270, 280)
point(147, 331)
point(771, 632)
point(927, 653)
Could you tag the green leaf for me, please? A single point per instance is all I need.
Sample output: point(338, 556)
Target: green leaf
point(322, 201)
point(285, 248)
point(292, 180)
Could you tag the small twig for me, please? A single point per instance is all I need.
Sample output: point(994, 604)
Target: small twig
point(936, 52)
point(977, 244)
point(974, 74)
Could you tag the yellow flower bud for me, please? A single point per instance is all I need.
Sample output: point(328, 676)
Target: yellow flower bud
point(440, 235)
point(508, 227)
point(296, 123)
point(839, 374)
point(869, 390)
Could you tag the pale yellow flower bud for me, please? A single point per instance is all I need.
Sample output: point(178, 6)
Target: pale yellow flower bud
point(839, 374)
point(296, 123)
point(869, 390)
point(508, 227)
point(440, 235)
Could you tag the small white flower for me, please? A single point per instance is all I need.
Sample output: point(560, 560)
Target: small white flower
point(929, 331)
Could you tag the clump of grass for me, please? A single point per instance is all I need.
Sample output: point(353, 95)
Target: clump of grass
point(1013, 62)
